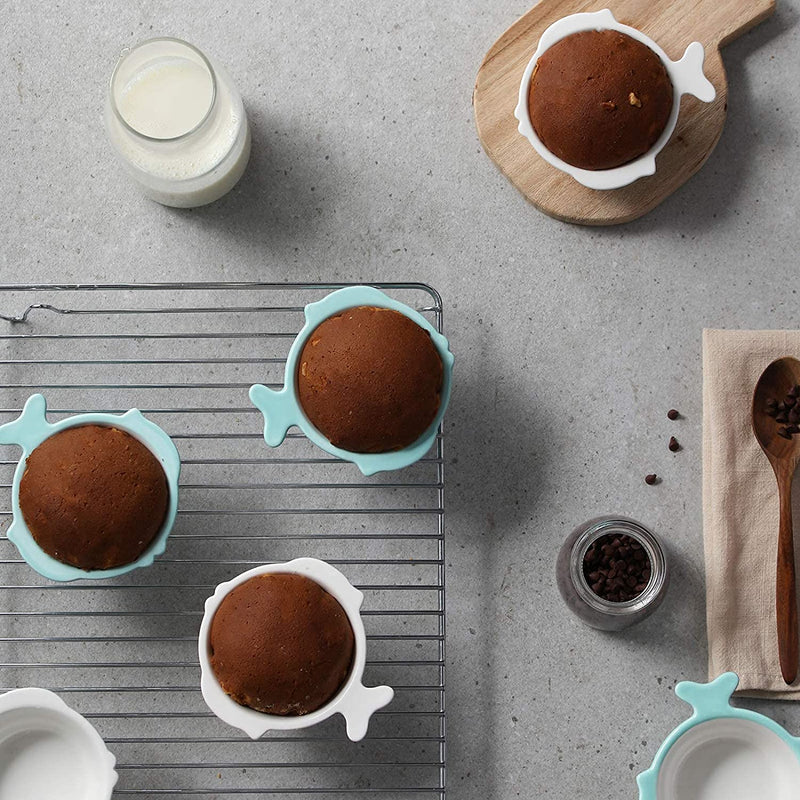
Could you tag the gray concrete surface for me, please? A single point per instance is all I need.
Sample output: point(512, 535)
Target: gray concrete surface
point(572, 343)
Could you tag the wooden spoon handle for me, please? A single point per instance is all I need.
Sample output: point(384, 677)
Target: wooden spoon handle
point(785, 592)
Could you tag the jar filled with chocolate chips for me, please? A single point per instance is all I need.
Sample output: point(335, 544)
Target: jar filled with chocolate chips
point(612, 572)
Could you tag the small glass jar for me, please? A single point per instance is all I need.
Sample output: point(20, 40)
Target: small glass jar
point(177, 123)
point(590, 607)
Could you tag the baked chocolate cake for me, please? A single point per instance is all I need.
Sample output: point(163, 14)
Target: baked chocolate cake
point(93, 496)
point(370, 380)
point(599, 99)
point(281, 644)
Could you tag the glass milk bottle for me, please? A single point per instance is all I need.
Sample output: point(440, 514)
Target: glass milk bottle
point(177, 123)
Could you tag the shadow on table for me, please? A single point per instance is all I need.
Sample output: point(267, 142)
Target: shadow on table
point(279, 198)
point(494, 480)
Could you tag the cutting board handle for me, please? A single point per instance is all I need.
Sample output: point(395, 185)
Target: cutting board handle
point(712, 22)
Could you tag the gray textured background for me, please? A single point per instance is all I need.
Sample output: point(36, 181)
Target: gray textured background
point(571, 343)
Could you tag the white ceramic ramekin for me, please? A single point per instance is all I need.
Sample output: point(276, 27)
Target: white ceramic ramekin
point(686, 76)
point(354, 701)
point(48, 750)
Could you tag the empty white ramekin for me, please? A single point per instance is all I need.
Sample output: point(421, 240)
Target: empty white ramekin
point(48, 750)
point(354, 701)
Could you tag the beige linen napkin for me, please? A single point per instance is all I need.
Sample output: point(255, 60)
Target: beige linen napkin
point(740, 513)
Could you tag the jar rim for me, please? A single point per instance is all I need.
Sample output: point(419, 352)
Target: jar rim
point(655, 553)
point(126, 53)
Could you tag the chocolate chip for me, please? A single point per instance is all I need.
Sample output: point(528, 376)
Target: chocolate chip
point(650, 479)
point(618, 569)
point(673, 444)
point(673, 414)
point(786, 412)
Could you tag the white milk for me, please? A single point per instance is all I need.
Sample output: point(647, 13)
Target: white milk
point(177, 123)
point(168, 98)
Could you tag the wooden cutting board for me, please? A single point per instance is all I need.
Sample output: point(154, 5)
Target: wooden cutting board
point(673, 24)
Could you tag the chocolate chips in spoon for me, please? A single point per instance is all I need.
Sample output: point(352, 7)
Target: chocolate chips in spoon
point(786, 412)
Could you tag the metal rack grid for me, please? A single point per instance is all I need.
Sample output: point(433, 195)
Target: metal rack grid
point(123, 651)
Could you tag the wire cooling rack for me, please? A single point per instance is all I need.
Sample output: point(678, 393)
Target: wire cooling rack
point(123, 652)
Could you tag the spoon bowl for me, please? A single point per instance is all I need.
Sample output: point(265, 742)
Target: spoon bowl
point(783, 453)
point(774, 384)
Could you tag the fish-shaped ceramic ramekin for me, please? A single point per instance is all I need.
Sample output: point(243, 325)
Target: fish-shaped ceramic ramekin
point(723, 752)
point(354, 701)
point(686, 76)
point(47, 750)
point(31, 428)
point(282, 409)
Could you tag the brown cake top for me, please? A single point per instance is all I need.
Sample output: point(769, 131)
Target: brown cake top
point(93, 496)
point(369, 379)
point(281, 644)
point(599, 99)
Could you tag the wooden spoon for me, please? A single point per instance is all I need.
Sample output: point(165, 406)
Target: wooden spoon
point(774, 384)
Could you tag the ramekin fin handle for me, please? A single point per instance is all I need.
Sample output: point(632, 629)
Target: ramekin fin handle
point(360, 704)
point(647, 782)
point(279, 410)
point(709, 699)
point(690, 76)
point(30, 428)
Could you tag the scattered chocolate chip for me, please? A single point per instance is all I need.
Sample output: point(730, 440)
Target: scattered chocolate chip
point(785, 433)
point(650, 479)
point(674, 414)
point(673, 444)
point(792, 429)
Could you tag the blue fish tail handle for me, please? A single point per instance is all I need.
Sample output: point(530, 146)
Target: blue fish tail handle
point(647, 783)
point(709, 699)
point(30, 428)
point(279, 409)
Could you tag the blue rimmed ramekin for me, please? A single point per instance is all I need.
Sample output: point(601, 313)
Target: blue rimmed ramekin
point(31, 428)
point(282, 409)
